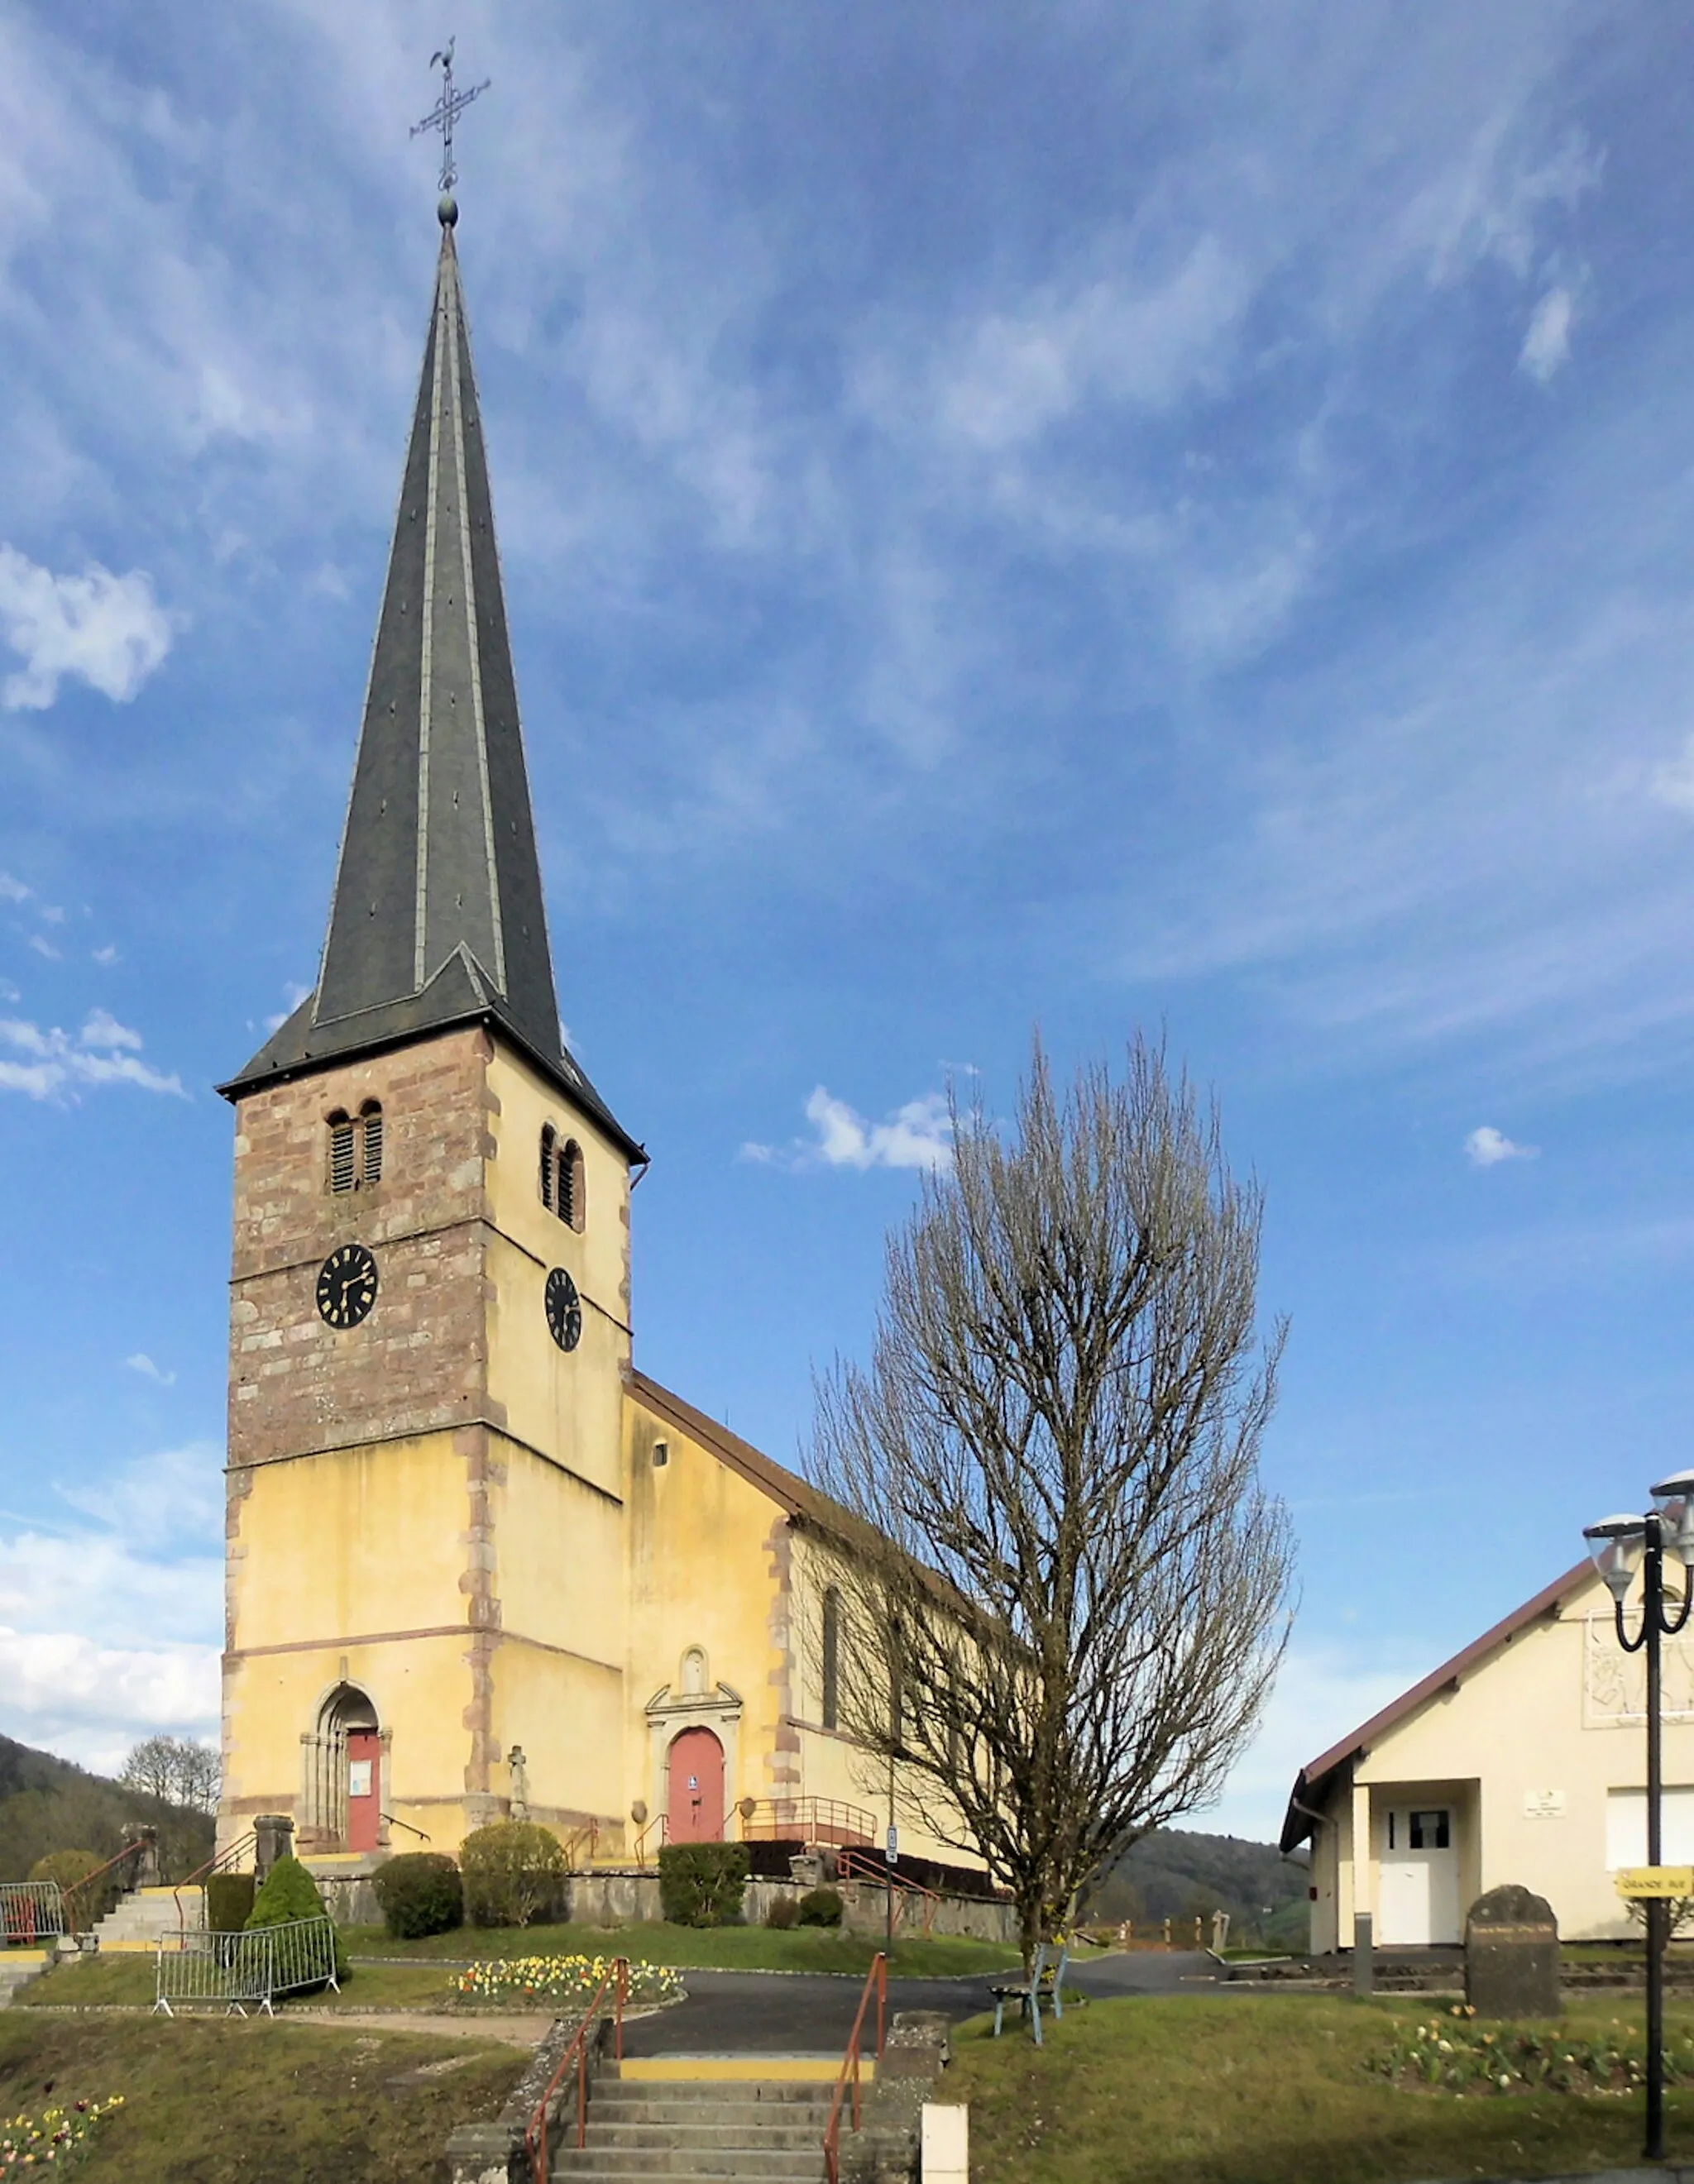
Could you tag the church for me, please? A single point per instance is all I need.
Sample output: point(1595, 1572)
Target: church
point(479, 1564)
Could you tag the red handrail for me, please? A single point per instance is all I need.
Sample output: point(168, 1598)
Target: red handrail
point(128, 1851)
point(876, 1979)
point(849, 1866)
point(535, 2138)
point(587, 1837)
point(216, 1863)
point(662, 1822)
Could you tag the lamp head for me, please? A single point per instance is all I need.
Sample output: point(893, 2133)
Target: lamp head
point(1674, 1499)
point(1616, 1544)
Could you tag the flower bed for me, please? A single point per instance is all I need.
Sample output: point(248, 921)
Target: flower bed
point(561, 1981)
point(55, 2136)
point(1453, 2054)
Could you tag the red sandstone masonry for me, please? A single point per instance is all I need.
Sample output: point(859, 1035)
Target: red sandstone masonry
point(419, 1361)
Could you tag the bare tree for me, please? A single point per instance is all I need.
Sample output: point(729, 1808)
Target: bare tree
point(175, 1768)
point(1068, 1597)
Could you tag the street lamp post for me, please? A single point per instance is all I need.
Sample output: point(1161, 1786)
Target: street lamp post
point(1617, 1544)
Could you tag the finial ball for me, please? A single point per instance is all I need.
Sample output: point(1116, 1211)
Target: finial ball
point(447, 212)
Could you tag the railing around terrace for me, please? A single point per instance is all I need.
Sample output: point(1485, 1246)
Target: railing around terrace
point(909, 1895)
point(253, 1967)
point(31, 1910)
point(876, 1983)
point(616, 1984)
point(227, 1860)
point(807, 1820)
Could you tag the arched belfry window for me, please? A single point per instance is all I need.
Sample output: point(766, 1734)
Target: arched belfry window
point(370, 1130)
point(355, 1146)
point(561, 1177)
point(832, 1659)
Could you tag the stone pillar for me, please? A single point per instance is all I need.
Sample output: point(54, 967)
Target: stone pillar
point(147, 1874)
point(274, 1834)
point(1510, 1954)
point(519, 1803)
point(1364, 1953)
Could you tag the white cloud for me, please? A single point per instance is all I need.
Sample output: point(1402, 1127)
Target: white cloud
point(110, 630)
point(44, 946)
point(106, 955)
point(1673, 783)
point(918, 1135)
point(8, 992)
point(71, 1602)
point(12, 890)
point(1319, 1697)
point(1548, 342)
point(1487, 1147)
point(142, 1363)
point(104, 1052)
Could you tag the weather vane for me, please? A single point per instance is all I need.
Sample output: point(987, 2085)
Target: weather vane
point(446, 110)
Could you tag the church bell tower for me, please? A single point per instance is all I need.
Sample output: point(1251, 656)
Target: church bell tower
point(429, 1339)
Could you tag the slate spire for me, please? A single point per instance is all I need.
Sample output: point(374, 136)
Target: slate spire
point(437, 916)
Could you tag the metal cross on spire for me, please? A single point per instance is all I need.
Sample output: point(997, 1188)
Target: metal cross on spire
point(446, 110)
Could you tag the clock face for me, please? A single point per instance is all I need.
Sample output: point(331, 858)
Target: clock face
point(347, 1285)
point(564, 1309)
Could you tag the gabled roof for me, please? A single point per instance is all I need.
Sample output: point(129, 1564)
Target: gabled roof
point(787, 1489)
point(1313, 1781)
point(437, 917)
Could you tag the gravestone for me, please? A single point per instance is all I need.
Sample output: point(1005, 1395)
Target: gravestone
point(1510, 1954)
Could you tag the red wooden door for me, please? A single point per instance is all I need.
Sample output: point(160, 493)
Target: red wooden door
point(696, 1799)
point(364, 1788)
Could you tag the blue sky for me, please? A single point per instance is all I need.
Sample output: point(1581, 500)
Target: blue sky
point(1085, 516)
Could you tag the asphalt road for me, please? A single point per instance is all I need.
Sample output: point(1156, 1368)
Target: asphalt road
point(811, 2013)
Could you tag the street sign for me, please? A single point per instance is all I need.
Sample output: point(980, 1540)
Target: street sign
point(893, 1850)
point(1641, 1883)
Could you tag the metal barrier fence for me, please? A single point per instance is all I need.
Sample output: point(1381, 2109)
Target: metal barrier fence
point(31, 1910)
point(245, 1970)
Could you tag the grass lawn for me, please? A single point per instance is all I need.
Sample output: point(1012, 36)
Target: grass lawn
point(723, 1948)
point(209, 2101)
point(1264, 2089)
point(129, 1979)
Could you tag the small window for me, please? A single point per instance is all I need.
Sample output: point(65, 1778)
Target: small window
point(370, 1128)
point(1431, 1831)
point(832, 1659)
point(550, 1162)
point(1390, 1832)
point(342, 1172)
point(661, 1454)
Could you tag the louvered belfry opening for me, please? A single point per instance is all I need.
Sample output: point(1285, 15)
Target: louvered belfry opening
point(549, 1158)
point(343, 1173)
point(355, 1147)
point(371, 1129)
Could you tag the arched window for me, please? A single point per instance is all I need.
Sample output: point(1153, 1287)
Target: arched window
point(832, 1659)
point(549, 1162)
point(371, 1129)
point(570, 1191)
point(343, 1173)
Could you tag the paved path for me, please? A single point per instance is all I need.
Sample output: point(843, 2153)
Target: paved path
point(811, 2013)
point(511, 2032)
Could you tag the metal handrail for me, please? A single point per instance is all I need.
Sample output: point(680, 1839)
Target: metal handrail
point(876, 1979)
point(75, 1887)
point(852, 1866)
point(389, 1821)
point(535, 2137)
point(809, 1819)
point(588, 1837)
point(662, 1822)
point(218, 1862)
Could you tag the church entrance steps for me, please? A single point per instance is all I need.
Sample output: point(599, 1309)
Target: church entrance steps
point(18, 1967)
point(752, 2117)
point(147, 1916)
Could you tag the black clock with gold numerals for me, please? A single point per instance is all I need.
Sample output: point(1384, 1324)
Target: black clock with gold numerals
point(347, 1285)
point(564, 1309)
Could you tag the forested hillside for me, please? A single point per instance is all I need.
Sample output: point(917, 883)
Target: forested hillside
point(1175, 1873)
point(48, 1804)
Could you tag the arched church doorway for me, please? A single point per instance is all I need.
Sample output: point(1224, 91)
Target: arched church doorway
point(344, 1784)
point(695, 1802)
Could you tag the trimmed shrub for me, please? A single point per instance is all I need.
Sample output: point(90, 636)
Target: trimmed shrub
point(229, 1901)
point(783, 1913)
point(83, 1907)
point(514, 1872)
point(290, 1892)
point(820, 1907)
point(420, 1893)
point(702, 1884)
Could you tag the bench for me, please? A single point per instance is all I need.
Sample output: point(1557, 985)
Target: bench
point(1045, 1980)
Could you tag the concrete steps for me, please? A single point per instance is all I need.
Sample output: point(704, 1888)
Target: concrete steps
point(145, 1917)
point(767, 2131)
point(18, 1967)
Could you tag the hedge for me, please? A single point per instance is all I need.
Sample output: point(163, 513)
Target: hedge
point(229, 1901)
point(290, 1892)
point(702, 1884)
point(420, 1893)
point(514, 1872)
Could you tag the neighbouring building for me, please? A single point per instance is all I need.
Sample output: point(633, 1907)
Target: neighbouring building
point(478, 1564)
point(1521, 1759)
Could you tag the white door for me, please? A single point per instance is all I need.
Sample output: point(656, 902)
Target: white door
point(1418, 1890)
